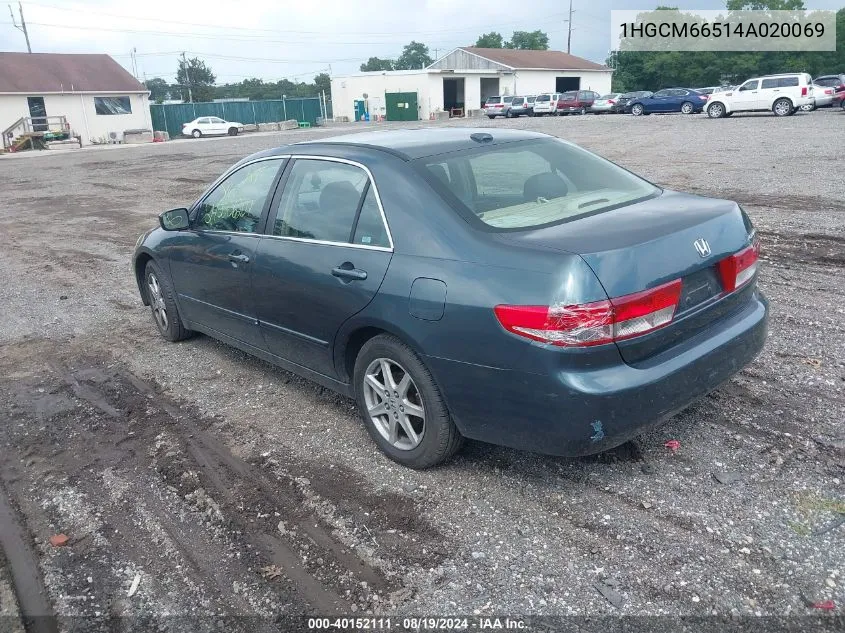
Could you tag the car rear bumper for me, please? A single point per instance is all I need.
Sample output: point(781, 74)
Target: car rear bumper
point(585, 412)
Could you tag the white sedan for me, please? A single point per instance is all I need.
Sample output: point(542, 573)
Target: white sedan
point(211, 126)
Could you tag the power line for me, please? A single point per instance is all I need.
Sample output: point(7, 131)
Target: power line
point(282, 31)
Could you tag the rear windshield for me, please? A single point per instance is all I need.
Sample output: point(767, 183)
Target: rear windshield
point(568, 95)
point(531, 99)
point(494, 99)
point(544, 98)
point(517, 101)
point(529, 184)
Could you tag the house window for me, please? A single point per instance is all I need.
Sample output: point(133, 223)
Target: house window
point(112, 105)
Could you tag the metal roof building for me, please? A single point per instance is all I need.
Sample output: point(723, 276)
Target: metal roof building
point(463, 79)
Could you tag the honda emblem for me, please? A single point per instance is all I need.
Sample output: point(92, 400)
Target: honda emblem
point(702, 247)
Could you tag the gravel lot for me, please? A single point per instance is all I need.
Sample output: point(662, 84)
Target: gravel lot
point(232, 488)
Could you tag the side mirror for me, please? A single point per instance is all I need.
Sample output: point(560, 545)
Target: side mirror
point(174, 220)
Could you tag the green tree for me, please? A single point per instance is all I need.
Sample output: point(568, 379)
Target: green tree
point(323, 82)
point(765, 5)
point(193, 74)
point(533, 40)
point(159, 89)
point(490, 40)
point(414, 55)
point(376, 63)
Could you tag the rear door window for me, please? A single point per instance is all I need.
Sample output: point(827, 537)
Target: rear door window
point(766, 84)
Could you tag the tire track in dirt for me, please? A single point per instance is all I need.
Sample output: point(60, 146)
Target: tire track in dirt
point(100, 430)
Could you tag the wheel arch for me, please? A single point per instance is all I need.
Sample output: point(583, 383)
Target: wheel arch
point(140, 265)
point(353, 336)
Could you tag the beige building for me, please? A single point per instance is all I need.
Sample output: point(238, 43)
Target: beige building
point(97, 97)
point(463, 79)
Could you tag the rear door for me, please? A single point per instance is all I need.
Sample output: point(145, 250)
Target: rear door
point(660, 101)
point(325, 255)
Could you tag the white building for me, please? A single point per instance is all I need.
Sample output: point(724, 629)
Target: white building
point(94, 93)
point(463, 79)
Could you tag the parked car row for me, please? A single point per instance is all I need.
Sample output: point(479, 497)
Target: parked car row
point(781, 94)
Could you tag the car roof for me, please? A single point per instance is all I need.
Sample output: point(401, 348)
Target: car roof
point(418, 142)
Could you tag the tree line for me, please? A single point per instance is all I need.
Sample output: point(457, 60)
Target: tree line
point(196, 81)
point(652, 70)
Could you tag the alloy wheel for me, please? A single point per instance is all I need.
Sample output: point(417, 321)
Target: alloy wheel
point(157, 301)
point(782, 107)
point(686, 108)
point(394, 403)
point(715, 111)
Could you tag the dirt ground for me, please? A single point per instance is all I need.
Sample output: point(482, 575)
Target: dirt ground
point(201, 489)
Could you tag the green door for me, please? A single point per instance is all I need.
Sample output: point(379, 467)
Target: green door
point(401, 106)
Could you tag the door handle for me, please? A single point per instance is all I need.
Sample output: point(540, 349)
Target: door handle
point(347, 271)
point(239, 258)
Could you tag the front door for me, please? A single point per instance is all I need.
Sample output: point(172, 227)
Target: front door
point(323, 262)
point(38, 113)
point(211, 263)
point(747, 96)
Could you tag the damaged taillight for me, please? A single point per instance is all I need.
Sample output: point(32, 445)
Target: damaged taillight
point(739, 268)
point(594, 323)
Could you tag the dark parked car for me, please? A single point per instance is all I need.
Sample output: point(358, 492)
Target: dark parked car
point(669, 100)
point(622, 103)
point(492, 284)
point(577, 102)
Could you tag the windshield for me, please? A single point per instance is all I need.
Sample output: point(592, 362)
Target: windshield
point(532, 183)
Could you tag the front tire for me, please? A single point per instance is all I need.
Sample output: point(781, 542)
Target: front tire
point(809, 107)
point(716, 110)
point(233, 131)
point(637, 109)
point(163, 304)
point(491, 116)
point(782, 107)
point(687, 107)
point(401, 405)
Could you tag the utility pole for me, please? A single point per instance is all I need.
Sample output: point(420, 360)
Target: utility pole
point(569, 33)
point(22, 26)
point(187, 78)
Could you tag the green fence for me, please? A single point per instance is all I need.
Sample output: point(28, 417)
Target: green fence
point(170, 117)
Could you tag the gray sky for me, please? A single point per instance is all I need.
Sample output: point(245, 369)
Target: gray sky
point(272, 39)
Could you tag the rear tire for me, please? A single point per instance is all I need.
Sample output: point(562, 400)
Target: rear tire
point(491, 116)
point(196, 134)
point(163, 304)
point(440, 438)
point(782, 107)
point(687, 108)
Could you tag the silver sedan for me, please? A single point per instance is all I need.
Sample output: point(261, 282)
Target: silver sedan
point(605, 103)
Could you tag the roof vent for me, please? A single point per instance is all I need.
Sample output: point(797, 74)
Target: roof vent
point(481, 137)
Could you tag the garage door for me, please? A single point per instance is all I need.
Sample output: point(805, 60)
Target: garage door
point(401, 106)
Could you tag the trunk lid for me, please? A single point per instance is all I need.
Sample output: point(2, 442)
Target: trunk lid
point(644, 245)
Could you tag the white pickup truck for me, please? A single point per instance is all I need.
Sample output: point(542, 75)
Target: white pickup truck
point(780, 94)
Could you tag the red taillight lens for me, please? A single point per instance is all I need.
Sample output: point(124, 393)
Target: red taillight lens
point(804, 91)
point(611, 101)
point(594, 323)
point(738, 269)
